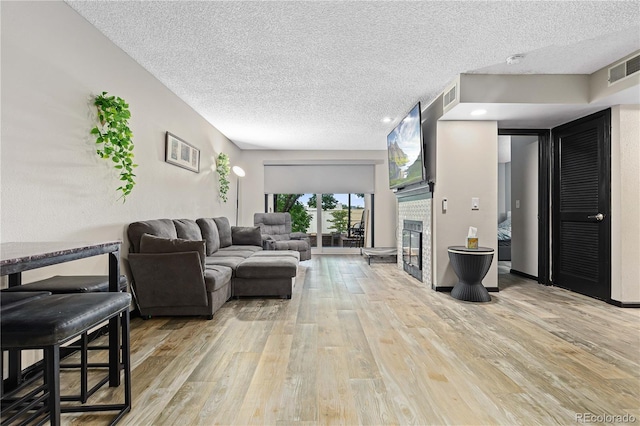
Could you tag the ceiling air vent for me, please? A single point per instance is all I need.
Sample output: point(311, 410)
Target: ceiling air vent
point(624, 69)
point(449, 96)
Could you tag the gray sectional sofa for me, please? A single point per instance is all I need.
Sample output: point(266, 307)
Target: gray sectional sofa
point(192, 267)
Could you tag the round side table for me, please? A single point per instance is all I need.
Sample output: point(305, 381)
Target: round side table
point(471, 266)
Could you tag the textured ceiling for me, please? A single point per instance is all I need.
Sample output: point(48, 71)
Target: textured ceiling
point(322, 75)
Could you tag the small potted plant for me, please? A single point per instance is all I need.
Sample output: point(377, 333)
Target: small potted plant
point(223, 169)
point(114, 138)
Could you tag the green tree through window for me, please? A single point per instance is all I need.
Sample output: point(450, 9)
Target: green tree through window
point(339, 221)
point(329, 202)
point(300, 219)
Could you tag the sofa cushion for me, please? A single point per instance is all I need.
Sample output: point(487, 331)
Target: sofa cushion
point(297, 245)
point(216, 277)
point(188, 229)
point(153, 244)
point(210, 234)
point(273, 253)
point(233, 248)
point(231, 262)
point(159, 227)
point(246, 236)
point(235, 253)
point(224, 230)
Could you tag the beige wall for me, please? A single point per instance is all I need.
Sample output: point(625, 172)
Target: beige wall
point(599, 82)
point(625, 203)
point(54, 186)
point(467, 158)
point(252, 201)
point(519, 89)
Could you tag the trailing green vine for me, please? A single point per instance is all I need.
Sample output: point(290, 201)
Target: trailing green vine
point(223, 169)
point(113, 136)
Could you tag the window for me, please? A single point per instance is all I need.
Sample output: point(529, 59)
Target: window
point(340, 221)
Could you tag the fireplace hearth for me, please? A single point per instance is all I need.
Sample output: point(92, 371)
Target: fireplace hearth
point(412, 248)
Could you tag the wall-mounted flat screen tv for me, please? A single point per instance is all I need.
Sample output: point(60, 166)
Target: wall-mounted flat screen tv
point(404, 146)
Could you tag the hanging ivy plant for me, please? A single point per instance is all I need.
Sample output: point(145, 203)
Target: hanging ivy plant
point(223, 169)
point(113, 137)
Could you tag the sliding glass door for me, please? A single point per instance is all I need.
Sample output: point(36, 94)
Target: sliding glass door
point(336, 224)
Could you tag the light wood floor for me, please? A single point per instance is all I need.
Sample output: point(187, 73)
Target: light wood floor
point(361, 344)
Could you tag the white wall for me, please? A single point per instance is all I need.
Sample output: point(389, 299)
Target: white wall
point(54, 186)
point(502, 207)
point(625, 203)
point(507, 186)
point(385, 201)
point(524, 204)
point(504, 189)
point(467, 155)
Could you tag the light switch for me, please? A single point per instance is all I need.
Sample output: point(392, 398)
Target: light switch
point(444, 205)
point(475, 203)
point(517, 204)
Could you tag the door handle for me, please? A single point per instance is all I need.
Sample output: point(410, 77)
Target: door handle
point(598, 217)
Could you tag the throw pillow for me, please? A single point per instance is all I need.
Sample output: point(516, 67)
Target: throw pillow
point(152, 244)
point(210, 234)
point(246, 236)
point(158, 227)
point(188, 229)
point(224, 229)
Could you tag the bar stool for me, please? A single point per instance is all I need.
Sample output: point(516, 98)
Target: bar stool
point(63, 284)
point(17, 298)
point(67, 284)
point(46, 322)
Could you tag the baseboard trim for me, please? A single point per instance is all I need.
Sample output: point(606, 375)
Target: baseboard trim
point(446, 289)
point(523, 274)
point(623, 304)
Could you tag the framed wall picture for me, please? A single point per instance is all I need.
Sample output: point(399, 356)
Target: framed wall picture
point(181, 153)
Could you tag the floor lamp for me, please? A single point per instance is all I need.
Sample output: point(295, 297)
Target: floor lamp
point(237, 170)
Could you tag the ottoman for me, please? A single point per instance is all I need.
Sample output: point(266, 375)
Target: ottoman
point(279, 253)
point(265, 276)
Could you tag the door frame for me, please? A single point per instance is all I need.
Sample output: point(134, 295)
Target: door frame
point(544, 191)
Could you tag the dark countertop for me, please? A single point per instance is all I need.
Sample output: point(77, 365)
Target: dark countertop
point(16, 257)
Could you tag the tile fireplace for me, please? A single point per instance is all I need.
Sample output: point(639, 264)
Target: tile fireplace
point(412, 248)
point(414, 223)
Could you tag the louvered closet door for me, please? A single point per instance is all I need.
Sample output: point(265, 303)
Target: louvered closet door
point(581, 240)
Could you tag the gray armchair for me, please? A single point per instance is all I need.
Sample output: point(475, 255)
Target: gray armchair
point(276, 234)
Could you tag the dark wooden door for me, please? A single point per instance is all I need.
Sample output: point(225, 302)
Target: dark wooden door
point(581, 241)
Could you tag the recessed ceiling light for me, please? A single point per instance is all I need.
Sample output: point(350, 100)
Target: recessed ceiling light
point(515, 59)
point(479, 112)
point(387, 120)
